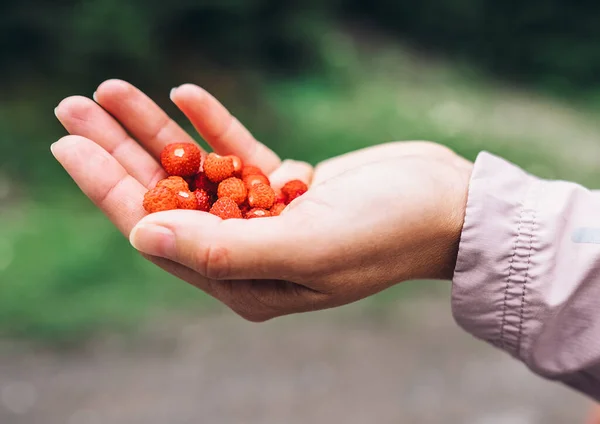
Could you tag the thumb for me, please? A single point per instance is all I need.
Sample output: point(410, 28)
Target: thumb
point(263, 248)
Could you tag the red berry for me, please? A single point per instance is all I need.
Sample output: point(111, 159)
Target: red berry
point(173, 183)
point(277, 208)
point(251, 170)
point(181, 159)
point(225, 208)
point(293, 189)
point(191, 182)
point(237, 164)
point(160, 199)
point(186, 200)
point(234, 188)
point(203, 183)
point(245, 207)
point(218, 168)
point(257, 213)
point(281, 198)
point(261, 196)
point(203, 200)
point(250, 180)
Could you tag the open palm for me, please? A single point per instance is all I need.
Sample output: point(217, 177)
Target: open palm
point(370, 219)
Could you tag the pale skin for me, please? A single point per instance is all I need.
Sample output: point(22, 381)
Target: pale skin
point(371, 218)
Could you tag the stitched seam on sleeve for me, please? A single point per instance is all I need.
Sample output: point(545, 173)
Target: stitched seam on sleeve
point(508, 277)
point(527, 277)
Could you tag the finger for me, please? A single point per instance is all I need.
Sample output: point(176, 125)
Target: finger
point(247, 269)
point(83, 117)
point(102, 179)
point(117, 194)
point(267, 248)
point(254, 300)
point(225, 134)
point(291, 170)
point(140, 116)
point(211, 287)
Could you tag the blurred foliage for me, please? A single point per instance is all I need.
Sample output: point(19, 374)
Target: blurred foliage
point(551, 42)
point(312, 79)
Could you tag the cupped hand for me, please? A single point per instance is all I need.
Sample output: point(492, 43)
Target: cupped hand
point(370, 219)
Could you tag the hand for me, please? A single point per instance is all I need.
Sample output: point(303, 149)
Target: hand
point(371, 219)
point(113, 150)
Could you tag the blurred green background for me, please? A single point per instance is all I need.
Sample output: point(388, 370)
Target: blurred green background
point(311, 79)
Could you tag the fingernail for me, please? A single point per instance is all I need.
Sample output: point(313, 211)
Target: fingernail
point(52, 146)
point(56, 112)
point(153, 240)
point(172, 93)
point(95, 97)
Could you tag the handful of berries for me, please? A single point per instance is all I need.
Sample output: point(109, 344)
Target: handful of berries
point(221, 185)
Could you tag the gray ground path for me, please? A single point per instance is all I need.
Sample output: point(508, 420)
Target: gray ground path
point(412, 365)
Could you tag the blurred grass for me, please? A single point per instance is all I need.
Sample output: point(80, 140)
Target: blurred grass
point(66, 273)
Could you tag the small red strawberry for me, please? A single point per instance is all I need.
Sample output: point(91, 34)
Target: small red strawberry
point(237, 165)
point(186, 200)
point(225, 208)
point(293, 189)
point(250, 180)
point(203, 183)
point(281, 198)
point(251, 170)
point(245, 207)
point(277, 208)
point(173, 183)
point(257, 213)
point(160, 199)
point(181, 159)
point(218, 168)
point(203, 200)
point(234, 188)
point(191, 182)
point(261, 196)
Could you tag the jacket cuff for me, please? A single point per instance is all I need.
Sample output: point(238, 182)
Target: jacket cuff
point(495, 252)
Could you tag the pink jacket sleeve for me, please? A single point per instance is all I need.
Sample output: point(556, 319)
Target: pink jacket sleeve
point(527, 279)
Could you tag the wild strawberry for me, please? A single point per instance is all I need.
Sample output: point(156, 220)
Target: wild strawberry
point(203, 200)
point(261, 196)
point(218, 168)
point(173, 183)
point(202, 182)
point(186, 200)
point(251, 170)
point(245, 207)
point(250, 180)
point(237, 164)
point(160, 199)
point(257, 213)
point(191, 182)
point(293, 189)
point(225, 208)
point(277, 208)
point(233, 188)
point(181, 159)
point(281, 198)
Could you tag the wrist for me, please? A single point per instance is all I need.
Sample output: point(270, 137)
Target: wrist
point(454, 188)
point(457, 211)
